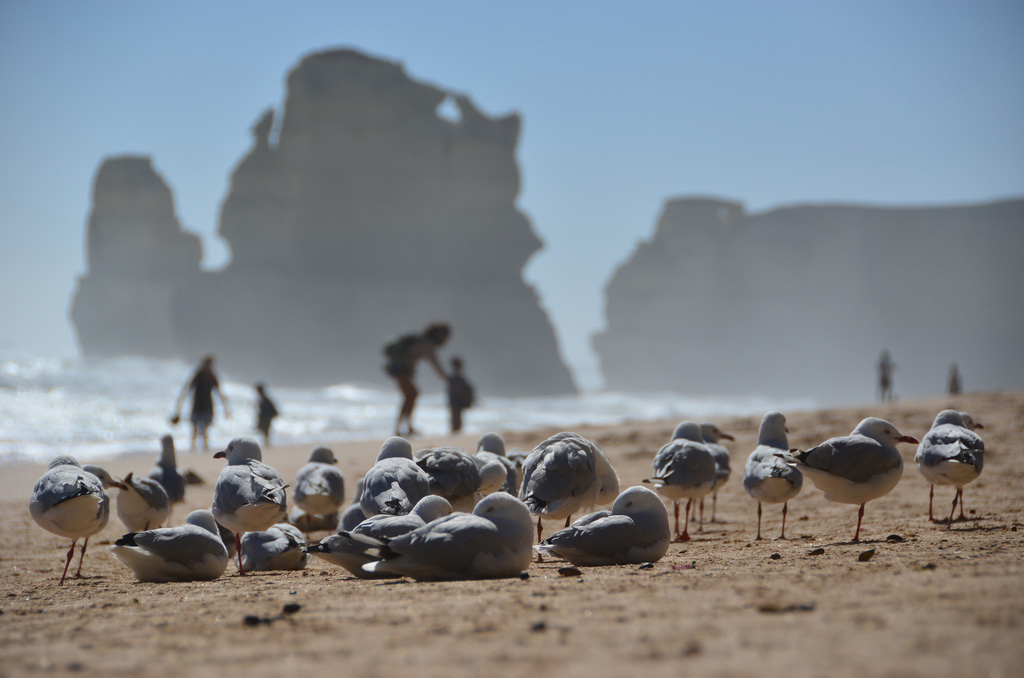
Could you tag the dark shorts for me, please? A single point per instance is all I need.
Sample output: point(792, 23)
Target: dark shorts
point(399, 369)
point(202, 420)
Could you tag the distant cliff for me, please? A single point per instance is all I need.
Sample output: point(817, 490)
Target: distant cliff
point(800, 301)
point(358, 213)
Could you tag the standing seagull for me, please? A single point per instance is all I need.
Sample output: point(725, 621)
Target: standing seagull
point(142, 504)
point(857, 468)
point(560, 478)
point(712, 434)
point(951, 453)
point(71, 503)
point(319, 485)
point(165, 472)
point(684, 469)
point(394, 483)
point(249, 495)
point(767, 477)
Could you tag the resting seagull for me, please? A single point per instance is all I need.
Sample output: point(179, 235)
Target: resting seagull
point(394, 483)
point(190, 552)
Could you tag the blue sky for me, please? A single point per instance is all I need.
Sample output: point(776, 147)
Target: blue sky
point(624, 105)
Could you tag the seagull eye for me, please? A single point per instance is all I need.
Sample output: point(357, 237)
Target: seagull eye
point(490, 509)
point(628, 504)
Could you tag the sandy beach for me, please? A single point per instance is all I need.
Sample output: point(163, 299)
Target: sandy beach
point(930, 602)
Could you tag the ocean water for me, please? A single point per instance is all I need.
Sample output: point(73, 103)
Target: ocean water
point(99, 408)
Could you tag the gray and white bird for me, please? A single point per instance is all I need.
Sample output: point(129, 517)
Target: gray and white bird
point(249, 495)
point(494, 541)
point(951, 453)
point(319, 485)
point(312, 522)
point(165, 472)
point(353, 515)
point(767, 477)
point(460, 477)
point(142, 504)
point(350, 550)
point(712, 434)
point(636, 530)
point(560, 478)
point(279, 547)
point(684, 469)
point(491, 447)
point(394, 483)
point(857, 468)
point(190, 552)
point(70, 502)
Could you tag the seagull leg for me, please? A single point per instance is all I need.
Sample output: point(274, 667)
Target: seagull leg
point(685, 536)
point(714, 505)
point(71, 553)
point(676, 505)
point(758, 538)
point(540, 556)
point(81, 557)
point(238, 548)
point(701, 527)
point(785, 508)
point(961, 493)
point(949, 523)
point(931, 495)
point(860, 516)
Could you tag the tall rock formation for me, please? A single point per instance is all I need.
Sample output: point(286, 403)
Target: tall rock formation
point(137, 258)
point(360, 212)
point(800, 301)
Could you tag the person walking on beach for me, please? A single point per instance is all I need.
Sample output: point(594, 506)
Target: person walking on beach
point(266, 411)
point(956, 382)
point(203, 384)
point(402, 353)
point(885, 370)
point(460, 393)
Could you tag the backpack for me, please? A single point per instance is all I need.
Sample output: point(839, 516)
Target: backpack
point(397, 347)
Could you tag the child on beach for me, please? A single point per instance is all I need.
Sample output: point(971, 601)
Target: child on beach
point(265, 413)
point(460, 393)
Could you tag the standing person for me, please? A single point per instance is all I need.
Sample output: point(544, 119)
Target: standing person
point(956, 382)
point(885, 370)
point(266, 411)
point(460, 393)
point(202, 385)
point(403, 352)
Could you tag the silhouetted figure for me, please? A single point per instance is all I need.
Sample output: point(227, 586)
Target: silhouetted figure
point(266, 411)
point(885, 370)
point(202, 385)
point(403, 352)
point(460, 393)
point(956, 382)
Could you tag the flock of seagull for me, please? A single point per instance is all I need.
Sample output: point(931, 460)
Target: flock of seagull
point(445, 514)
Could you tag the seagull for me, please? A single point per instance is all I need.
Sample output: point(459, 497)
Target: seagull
point(712, 434)
point(454, 475)
point(70, 502)
point(560, 478)
point(249, 495)
point(353, 515)
point(142, 504)
point(857, 468)
point(348, 550)
point(684, 469)
point(312, 522)
point(279, 547)
point(767, 477)
point(394, 483)
point(491, 447)
point(951, 453)
point(319, 485)
point(636, 530)
point(165, 472)
point(190, 552)
point(607, 477)
point(494, 541)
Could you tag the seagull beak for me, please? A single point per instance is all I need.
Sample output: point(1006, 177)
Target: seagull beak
point(220, 455)
point(978, 424)
point(727, 436)
point(908, 439)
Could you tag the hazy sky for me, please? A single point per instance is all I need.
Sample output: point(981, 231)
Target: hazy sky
point(624, 105)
